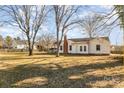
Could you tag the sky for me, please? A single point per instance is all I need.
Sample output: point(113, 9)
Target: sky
point(115, 36)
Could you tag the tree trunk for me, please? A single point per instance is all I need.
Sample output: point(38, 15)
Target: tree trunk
point(57, 55)
point(123, 48)
point(30, 51)
point(31, 48)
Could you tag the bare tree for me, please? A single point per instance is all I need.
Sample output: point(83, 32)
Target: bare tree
point(46, 40)
point(29, 19)
point(64, 19)
point(94, 26)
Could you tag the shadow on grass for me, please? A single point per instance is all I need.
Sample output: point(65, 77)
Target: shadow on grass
point(56, 76)
point(21, 58)
point(119, 58)
point(62, 54)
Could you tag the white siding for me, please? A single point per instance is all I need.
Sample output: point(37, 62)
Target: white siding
point(21, 46)
point(104, 46)
point(76, 48)
point(35, 47)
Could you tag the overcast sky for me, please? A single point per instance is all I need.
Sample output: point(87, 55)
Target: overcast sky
point(115, 36)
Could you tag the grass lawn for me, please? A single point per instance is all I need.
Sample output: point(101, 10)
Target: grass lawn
point(43, 70)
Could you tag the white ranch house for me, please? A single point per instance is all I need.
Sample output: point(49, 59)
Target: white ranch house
point(99, 45)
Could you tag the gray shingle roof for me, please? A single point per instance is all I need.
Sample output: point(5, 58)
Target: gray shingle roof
point(86, 39)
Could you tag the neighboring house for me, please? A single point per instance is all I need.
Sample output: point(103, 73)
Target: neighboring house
point(16, 44)
point(99, 45)
point(19, 44)
point(22, 44)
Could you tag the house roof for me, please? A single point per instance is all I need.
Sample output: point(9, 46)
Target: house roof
point(86, 39)
point(79, 39)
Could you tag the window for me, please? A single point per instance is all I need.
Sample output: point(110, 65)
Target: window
point(70, 47)
point(85, 48)
point(98, 47)
point(80, 48)
point(60, 47)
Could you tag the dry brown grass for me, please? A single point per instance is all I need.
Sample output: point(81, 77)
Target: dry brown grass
point(43, 70)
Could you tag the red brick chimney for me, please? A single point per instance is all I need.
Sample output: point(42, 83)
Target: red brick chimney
point(65, 44)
